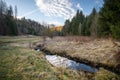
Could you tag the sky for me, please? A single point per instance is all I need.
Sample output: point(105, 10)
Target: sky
point(53, 11)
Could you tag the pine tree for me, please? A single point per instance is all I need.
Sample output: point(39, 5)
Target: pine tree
point(109, 18)
point(75, 23)
point(11, 25)
point(66, 27)
point(15, 12)
point(3, 8)
point(94, 23)
point(80, 29)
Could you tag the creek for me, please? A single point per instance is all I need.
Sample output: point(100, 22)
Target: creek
point(59, 61)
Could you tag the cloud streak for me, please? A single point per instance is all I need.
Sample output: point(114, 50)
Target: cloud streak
point(28, 13)
point(56, 8)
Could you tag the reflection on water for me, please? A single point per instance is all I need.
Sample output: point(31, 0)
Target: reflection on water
point(66, 63)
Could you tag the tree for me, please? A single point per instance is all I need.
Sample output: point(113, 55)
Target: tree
point(94, 23)
point(3, 9)
point(109, 18)
point(75, 23)
point(11, 24)
point(89, 25)
point(94, 28)
point(27, 26)
point(81, 17)
point(7, 22)
point(66, 27)
point(80, 29)
point(15, 12)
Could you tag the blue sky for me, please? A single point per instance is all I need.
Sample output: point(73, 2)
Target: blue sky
point(53, 11)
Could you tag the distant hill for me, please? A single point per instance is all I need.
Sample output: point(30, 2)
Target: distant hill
point(57, 28)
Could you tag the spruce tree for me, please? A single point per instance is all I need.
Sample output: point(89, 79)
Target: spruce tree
point(66, 27)
point(110, 18)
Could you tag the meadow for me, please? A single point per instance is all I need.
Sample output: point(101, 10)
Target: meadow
point(19, 61)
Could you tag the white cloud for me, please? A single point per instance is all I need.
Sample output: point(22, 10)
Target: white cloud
point(79, 7)
point(56, 8)
point(55, 23)
point(28, 13)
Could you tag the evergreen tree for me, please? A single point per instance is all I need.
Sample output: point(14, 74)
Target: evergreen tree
point(15, 12)
point(89, 25)
point(12, 27)
point(80, 29)
point(94, 28)
point(109, 18)
point(94, 23)
point(66, 27)
point(3, 9)
point(75, 23)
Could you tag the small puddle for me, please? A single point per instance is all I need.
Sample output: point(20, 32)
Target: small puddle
point(59, 61)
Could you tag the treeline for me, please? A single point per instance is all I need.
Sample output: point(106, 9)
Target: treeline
point(7, 21)
point(27, 26)
point(104, 23)
point(81, 25)
point(10, 25)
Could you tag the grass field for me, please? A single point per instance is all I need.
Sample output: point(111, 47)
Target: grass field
point(23, 63)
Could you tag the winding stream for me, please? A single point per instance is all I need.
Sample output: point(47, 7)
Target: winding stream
point(59, 61)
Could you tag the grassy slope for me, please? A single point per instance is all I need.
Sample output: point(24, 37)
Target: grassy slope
point(23, 63)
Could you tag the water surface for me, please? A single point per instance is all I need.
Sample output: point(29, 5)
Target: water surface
point(66, 63)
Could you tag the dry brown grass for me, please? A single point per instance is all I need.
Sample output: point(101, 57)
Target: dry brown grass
point(98, 51)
